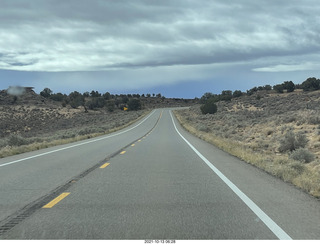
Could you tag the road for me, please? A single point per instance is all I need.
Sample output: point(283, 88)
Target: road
point(152, 180)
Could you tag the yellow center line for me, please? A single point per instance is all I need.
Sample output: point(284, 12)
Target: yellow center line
point(56, 200)
point(133, 145)
point(104, 165)
point(123, 152)
point(139, 140)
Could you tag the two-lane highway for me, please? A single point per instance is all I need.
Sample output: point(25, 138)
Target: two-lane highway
point(27, 177)
point(160, 183)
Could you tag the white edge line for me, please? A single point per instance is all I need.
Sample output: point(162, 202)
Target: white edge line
point(77, 145)
point(281, 234)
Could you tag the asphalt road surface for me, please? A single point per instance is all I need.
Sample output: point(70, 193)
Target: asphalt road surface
point(151, 181)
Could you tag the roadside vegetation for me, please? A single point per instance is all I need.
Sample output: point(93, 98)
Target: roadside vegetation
point(31, 121)
point(274, 128)
point(69, 127)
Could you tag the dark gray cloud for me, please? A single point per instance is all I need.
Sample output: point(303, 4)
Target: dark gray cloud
point(102, 35)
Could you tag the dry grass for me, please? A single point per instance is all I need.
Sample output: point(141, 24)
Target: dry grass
point(67, 136)
point(254, 138)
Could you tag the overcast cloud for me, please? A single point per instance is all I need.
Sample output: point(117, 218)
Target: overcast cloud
point(143, 44)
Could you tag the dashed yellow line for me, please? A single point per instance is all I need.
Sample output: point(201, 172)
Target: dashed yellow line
point(104, 165)
point(133, 145)
point(56, 200)
point(123, 152)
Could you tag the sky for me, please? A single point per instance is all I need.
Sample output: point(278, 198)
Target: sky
point(179, 48)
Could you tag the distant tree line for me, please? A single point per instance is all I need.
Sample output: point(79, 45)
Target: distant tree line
point(311, 84)
point(95, 100)
point(209, 99)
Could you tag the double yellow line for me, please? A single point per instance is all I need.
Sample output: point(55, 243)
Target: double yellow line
point(65, 194)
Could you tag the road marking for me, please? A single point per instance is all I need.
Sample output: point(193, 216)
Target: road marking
point(133, 145)
point(123, 152)
point(104, 165)
point(56, 200)
point(139, 140)
point(280, 233)
point(77, 145)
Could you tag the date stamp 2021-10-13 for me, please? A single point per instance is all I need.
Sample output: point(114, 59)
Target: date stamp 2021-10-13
point(159, 241)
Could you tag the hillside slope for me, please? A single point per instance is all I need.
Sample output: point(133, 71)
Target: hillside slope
point(256, 128)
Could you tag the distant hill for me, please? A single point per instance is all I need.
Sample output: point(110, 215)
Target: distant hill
point(22, 96)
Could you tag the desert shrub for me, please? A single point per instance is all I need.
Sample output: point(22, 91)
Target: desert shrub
point(301, 141)
point(96, 102)
point(76, 99)
point(289, 119)
point(16, 140)
point(203, 128)
point(90, 130)
point(302, 155)
point(252, 90)
point(64, 103)
point(134, 104)
point(75, 103)
point(311, 84)
point(298, 167)
point(46, 92)
point(226, 95)
point(291, 142)
point(209, 107)
point(86, 131)
point(283, 128)
point(95, 94)
point(69, 134)
point(3, 143)
point(58, 97)
point(125, 99)
point(278, 88)
point(289, 170)
point(314, 120)
point(206, 97)
point(289, 86)
point(237, 93)
point(107, 96)
point(110, 105)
